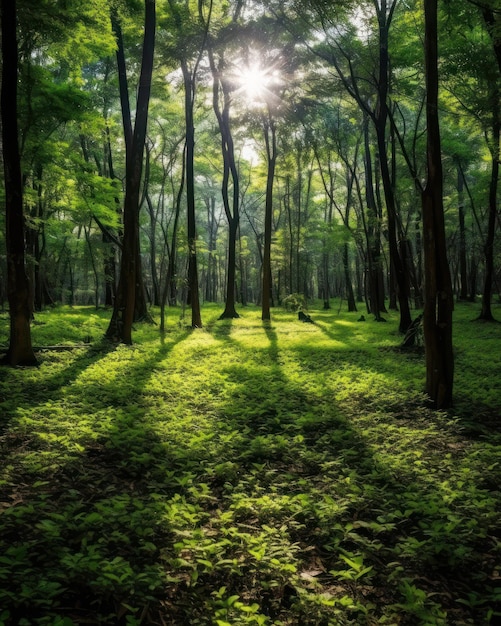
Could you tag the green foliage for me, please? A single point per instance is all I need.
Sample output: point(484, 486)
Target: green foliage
point(294, 302)
point(256, 474)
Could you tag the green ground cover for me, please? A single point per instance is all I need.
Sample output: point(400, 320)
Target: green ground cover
point(279, 474)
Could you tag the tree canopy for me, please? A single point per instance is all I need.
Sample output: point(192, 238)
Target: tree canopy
point(282, 154)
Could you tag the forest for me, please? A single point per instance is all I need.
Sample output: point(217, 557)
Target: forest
point(250, 288)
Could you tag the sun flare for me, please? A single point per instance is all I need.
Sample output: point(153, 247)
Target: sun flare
point(254, 81)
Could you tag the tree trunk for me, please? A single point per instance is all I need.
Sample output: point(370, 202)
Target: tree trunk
point(486, 311)
point(109, 271)
point(125, 307)
point(463, 272)
point(169, 293)
point(271, 152)
point(193, 289)
point(20, 350)
point(230, 171)
point(380, 119)
point(350, 296)
point(325, 295)
point(438, 304)
point(373, 234)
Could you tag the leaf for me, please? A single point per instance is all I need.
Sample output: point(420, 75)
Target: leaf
point(310, 574)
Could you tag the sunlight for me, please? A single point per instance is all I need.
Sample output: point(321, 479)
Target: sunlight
point(253, 82)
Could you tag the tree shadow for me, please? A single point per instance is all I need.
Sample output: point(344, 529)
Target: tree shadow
point(398, 518)
point(81, 541)
point(136, 513)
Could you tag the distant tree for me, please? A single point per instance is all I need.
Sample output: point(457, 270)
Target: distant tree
point(270, 138)
point(362, 64)
point(472, 61)
point(223, 87)
point(20, 350)
point(189, 31)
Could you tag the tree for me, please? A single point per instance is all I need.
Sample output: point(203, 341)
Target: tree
point(191, 38)
point(475, 81)
point(222, 91)
point(120, 327)
point(270, 138)
point(438, 300)
point(20, 350)
point(365, 74)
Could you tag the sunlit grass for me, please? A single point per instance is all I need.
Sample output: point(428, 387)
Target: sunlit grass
point(246, 473)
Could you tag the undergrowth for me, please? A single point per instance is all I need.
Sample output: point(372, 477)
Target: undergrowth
point(248, 473)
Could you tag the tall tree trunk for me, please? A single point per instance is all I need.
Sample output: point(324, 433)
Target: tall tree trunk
point(288, 207)
point(270, 138)
point(438, 300)
point(230, 173)
point(350, 296)
point(326, 289)
point(242, 262)
point(193, 288)
point(380, 119)
point(109, 271)
point(373, 234)
point(463, 271)
point(169, 293)
point(125, 307)
point(153, 231)
point(486, 311)
point(20, 350)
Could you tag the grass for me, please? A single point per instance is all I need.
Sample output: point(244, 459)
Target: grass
point(249, 473)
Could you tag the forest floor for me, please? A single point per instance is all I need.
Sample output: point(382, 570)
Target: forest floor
point(247, 473)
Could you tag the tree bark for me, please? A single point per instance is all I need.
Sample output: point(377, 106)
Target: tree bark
point(20, 350)
point(124, 310)
point(438, 305)
point(270, 137)
point(380, 120)
point(486, 310)
point(230, 172)
point(193, 288)
point(350, 296)
point(463, 271)
point(373, 235)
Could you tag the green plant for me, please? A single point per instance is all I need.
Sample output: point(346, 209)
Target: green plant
point(245, 474)
point(295, 302)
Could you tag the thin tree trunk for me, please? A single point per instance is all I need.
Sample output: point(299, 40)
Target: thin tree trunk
point(230, 171)
point(486, 311)
point(326, 257)
point(193, 288)
point(125, 308)
point(463, 272)
point(381, 118)
point(350, 296)
point(271, 151)
point(20, 350)
point(93, 264)
point(373, 234)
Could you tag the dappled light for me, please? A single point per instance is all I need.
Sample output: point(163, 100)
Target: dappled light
point(275, 463)
point(243, 246)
